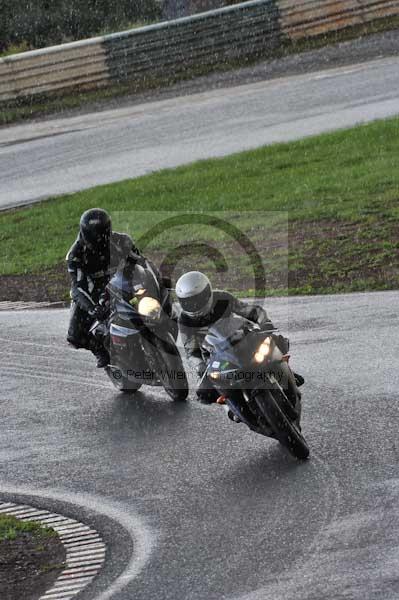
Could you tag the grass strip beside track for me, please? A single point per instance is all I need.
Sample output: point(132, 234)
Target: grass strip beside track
point(11, 528)
point(31, 558)
point(340, 192)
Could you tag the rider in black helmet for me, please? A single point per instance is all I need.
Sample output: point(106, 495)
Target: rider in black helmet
point(95, 229)
point(92, 260)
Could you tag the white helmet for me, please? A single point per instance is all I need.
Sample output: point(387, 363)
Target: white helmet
point(194, 291)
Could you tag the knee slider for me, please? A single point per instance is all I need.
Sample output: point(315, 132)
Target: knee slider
point(74, 343)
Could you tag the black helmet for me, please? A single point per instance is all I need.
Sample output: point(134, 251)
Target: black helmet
point(194, 291)
point(95, 228)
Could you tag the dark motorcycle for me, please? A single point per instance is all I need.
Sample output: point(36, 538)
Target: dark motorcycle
point(249, 370)
point(140, 333)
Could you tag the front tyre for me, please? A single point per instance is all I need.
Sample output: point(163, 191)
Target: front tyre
point(285, 431)
point(168, 365)
point(121, 383)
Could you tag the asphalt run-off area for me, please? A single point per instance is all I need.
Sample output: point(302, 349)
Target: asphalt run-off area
point(189, 505)
point(194, 506)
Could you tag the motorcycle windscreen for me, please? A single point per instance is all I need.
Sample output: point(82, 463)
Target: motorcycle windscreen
point(228, 332)
point(233, 339)
point(127, 282)
point(145, 279)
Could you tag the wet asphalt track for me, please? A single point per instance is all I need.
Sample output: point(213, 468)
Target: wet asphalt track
point(63, 155)
point(216, 511)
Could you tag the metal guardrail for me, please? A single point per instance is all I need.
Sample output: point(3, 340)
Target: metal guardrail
point(308, 18)
point(167, 50)
point(54, 69)
point(194, 42)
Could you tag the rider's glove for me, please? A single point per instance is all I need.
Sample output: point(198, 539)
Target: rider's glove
point(283, 343)
point(99, 312)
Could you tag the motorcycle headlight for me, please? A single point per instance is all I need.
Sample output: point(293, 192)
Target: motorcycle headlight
point(263, 350)
point(149, 307)
point(215, 375)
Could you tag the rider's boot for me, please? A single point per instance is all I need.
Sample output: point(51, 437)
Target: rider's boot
point(232, 416)
point(96, 345)
point(102, 357)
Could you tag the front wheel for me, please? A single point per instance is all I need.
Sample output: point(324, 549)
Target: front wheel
point(168, 365)
point(285, 431)
point(121, 383)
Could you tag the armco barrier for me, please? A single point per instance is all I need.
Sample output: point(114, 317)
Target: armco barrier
point(53, 69)
point(306, 18)
point(168, 50)
point(194, 42)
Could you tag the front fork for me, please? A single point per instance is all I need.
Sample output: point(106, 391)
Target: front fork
point(249, 419)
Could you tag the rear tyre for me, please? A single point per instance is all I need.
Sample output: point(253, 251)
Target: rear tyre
point(121, 383)
point(285, 431)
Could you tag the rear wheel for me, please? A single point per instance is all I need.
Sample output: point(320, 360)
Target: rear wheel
point(285, 431)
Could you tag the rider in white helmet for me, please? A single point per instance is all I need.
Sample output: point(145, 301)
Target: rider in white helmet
point(201, 307)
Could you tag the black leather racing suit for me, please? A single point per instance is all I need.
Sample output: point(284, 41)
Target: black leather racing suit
point(90, 272)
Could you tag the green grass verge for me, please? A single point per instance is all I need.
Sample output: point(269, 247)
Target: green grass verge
point(328, 222)
point(11, 528)
point(15, 49)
